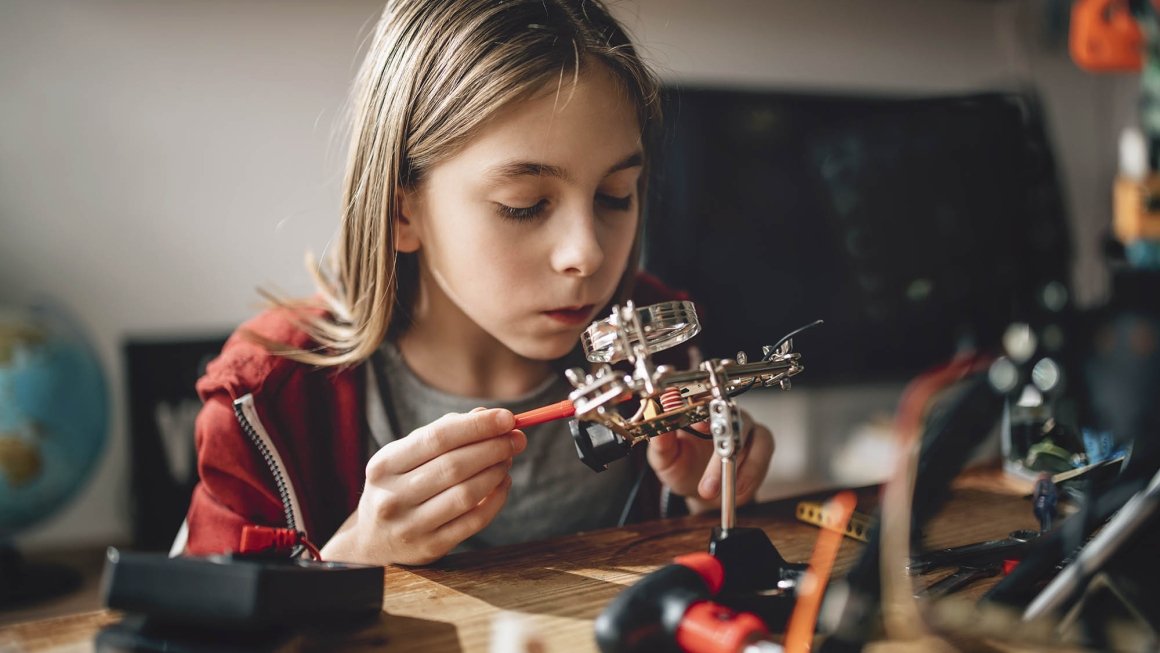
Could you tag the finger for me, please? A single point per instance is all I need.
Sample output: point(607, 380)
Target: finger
point(752, 473)
point(663, 451)
point(519, 440)
point(710, 485)
point(449, 432)
point(746, 444)
point(460, 499)
point(449, 535)
point(452, 468)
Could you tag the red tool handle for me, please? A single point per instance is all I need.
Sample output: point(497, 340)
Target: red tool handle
point(708, 627)
point(545, 414)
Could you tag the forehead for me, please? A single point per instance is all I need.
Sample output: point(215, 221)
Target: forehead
point(582, 125)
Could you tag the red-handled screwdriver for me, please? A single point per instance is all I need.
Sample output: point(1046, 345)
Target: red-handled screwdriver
point(548, 413)
point(554, 411)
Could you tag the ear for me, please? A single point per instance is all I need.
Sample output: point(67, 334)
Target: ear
point(406, 225)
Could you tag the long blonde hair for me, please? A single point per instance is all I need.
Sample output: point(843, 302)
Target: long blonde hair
point(435, 72)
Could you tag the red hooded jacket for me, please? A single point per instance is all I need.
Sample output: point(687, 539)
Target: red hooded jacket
point(284, 444)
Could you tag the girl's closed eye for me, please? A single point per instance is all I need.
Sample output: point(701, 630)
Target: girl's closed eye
point(529, 212)
point(618, 190)
point(614, 202)
point(522, 212)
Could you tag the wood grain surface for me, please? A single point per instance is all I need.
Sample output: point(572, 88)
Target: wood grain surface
point(549, 592)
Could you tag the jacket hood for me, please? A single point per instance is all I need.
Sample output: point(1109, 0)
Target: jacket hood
point(244, 364)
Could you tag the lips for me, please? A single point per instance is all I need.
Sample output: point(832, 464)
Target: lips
point(571, 315)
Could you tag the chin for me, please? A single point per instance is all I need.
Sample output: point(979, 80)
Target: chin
point(546, 349)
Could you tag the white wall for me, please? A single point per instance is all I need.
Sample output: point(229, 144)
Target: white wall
point(160, 159)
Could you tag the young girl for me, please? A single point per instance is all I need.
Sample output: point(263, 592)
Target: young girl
point(492, 210)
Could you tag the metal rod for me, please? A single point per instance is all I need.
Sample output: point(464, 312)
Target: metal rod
point(728, 495)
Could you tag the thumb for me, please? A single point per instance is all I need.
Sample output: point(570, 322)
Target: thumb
point(663, 451)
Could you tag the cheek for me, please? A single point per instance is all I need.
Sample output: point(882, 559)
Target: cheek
point(490, 269)
point(618, 244)
point(504, 274)
point(458, 239)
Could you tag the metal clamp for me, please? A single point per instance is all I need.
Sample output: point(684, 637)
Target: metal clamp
point(670, 399)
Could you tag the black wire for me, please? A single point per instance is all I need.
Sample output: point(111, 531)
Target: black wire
point(789, 335)
point(635, 489)
point(773, 352)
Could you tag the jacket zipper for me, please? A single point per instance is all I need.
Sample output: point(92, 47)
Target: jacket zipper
point(248, 419)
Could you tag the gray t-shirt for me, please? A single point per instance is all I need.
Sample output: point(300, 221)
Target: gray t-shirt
point(552, 492)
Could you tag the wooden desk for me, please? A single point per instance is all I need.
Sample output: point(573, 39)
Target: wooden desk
point(556, 588)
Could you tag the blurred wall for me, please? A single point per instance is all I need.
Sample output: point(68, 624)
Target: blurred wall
point(160, 159)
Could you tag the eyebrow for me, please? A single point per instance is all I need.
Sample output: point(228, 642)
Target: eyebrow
point(516, 169)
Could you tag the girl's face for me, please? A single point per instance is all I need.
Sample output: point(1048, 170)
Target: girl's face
point(524, 234)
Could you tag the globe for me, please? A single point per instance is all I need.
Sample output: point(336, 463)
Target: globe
point(53, 421)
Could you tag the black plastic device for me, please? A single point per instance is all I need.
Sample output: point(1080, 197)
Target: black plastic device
point(241, 592)
point(597, 445)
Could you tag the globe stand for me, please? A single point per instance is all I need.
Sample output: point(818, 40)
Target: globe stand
point(23, 582)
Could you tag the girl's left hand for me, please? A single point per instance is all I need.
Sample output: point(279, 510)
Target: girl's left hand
point(689, 467)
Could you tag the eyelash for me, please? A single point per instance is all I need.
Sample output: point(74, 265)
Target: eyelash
point(523, 213)
point(615, 203)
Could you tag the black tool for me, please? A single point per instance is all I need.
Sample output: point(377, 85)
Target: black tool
point(958, 580)
point(240, 591)
point(949, 436)
point(977, 555)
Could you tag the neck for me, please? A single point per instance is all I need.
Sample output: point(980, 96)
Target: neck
point(450, 352)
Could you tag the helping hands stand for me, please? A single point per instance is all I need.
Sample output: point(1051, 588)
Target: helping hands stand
point(670, 399)
point(751, 586)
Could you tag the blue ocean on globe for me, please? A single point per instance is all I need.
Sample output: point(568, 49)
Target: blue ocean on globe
point(53, 414)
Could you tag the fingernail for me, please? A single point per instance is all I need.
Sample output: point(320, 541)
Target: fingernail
point(504, 420)
point(518, 442)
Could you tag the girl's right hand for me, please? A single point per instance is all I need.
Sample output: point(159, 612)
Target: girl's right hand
point(429, 491)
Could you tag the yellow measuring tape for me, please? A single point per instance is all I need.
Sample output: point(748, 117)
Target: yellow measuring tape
point(814, 513)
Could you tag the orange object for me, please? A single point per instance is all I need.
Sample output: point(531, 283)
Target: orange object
point(1105, 37)
point(1132, 220)
point(799, 634)
point(545, 414)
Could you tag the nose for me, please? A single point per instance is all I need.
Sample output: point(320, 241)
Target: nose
point(577, 250)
